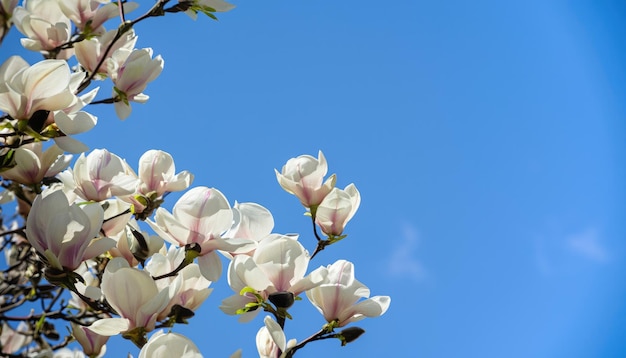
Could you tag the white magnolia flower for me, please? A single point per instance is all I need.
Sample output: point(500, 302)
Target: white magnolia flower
point(134, 295)
point(72, 120)
point(157, 173)
point(102, 175)
point(66, 235)
point(200, 217)
point(32, 164)
point(67, 353)
point(337, 208)
point(11, 340)
point(132, 78)
point(250, 221)
point(304, 177)
point(93, 344)
point(89, 52)
point(129, 247)
point(338, 298)
point(28, 89)
point(90, 15)
point(271, 338)
point(168, 345)
point(278, 265)
point(44, 25)
point(6, 14)
point(192, 286)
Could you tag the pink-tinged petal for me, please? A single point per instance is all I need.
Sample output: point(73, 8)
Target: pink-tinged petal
point(45, 77)
point(283, 259)
point(9, 68)
point(53, 259)
point(314, 279)
point(180, 182)
point(70, 145)
point(122, 110)
point(110, 326)
point(252, 221)
point(210, 266)
point(165, 221)
point(277, 334)
point(55, 161)
point(244, 272)
point(149, 311)
point(372, 307)
point(98, 247)
point(53, 102)
point(127, 289)
point(231, 304)
point(237, 246)
point(169, 345)
point(95, 215)
point(79, 122)
point(201, 202)
point(27, 169)
point(11, 103)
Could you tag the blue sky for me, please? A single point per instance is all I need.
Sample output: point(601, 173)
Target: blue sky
point(486, 139)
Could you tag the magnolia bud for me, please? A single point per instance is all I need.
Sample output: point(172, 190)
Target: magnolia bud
point(282, 299)
point(350, 334)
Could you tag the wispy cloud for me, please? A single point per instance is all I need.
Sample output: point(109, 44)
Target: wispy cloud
point(557, 253)
point(403, 261)
point(589, 245)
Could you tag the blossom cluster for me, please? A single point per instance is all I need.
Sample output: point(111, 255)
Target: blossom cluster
point(92, 225)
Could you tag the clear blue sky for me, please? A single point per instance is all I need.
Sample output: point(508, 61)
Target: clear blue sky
point(487, 140)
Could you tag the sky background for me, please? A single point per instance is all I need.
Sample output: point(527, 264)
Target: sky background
point(487, 139)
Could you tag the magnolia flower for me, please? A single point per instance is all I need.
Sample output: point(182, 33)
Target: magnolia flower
point(42, 86)
point(102, 175)
point(278, 265)
point(12, 340)
point(169, 345)
point(200, 217)
point(89, 52)
point(337, 298)
point(116, 217)
point(90, 15)
point(207, 5)
point(89, 287)
point(192, 286)
point(156, 173)
point(250, 221)
point(64, 353)
point(32, 164)
point(304, 177)
point(132, 78)
point(134, 295)
point(65, 234)
point(44, 25)
point(270, 339)
point(156, 178)
point(337, 208)
point(131, 249)
point(6, 14)
point(93, 344)
point(72, 120)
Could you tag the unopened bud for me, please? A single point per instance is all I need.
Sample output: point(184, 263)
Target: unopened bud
point(282, 299)
point(350, 334)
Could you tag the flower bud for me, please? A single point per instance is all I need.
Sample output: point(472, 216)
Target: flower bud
point(350, 334)
point(282, 299)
